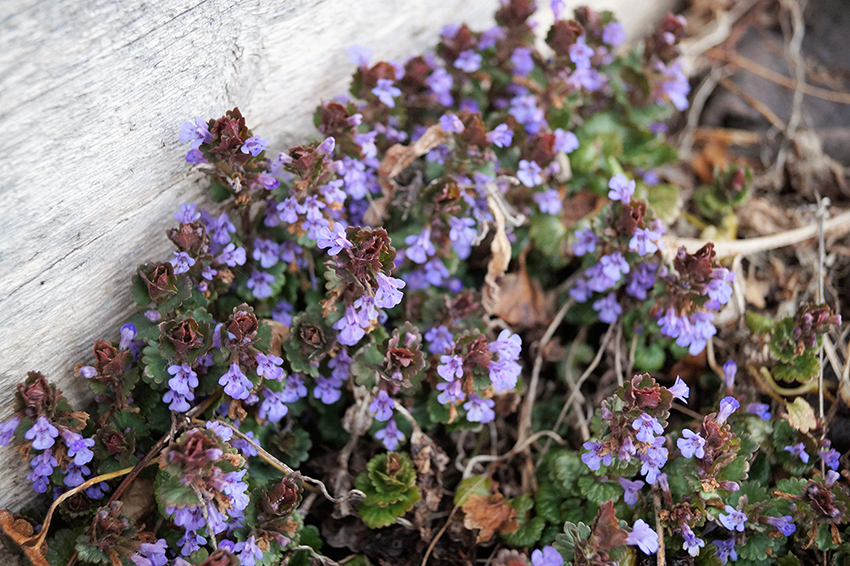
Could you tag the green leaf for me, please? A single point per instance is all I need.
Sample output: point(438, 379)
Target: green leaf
point(665, 201)
point(802, 368)
point(598, 491)
point(62, 545)
point(758, 323)
point(549, 234)
point(156, 368)
point(527, 534)
point(139, 291)
point(479, 485)
point(649, 357)
point(759, 548)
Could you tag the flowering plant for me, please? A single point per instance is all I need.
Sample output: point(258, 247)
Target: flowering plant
point(349, 312)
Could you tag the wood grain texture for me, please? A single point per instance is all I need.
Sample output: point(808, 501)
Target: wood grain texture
point(93, 95)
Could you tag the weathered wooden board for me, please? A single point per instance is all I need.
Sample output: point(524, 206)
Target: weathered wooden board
point(92, 95)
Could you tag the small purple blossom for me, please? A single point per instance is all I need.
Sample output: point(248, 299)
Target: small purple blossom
point(508, 345)
point(830, 457)
point(580, 54)
point(184, 380)
point(733, 519)
point(42, 434)
point(197, 133)
point(382, 405)
point(680, 390)
point(269, 366)
point(351, 327)
point(529, 173)
point(326, 147)
point(7, 429)
point(236, 384)
point(282, 313)
point(128, 332)
point(188, 213)
point(730, 368)
point(593, 458)
point(784, 524)
point(255, 146)
point(500, 136)
point(726, 549)
point(549, 201)
point(691, 444)
point(390, 435)
point(451, 392)
point(386, 92)
point(622, 188)
point(646, 427)
point(334, 238)
point(761, 410)
point(631, 490)
point(644, 241)
point(272, 408)
point(327, 390)
point(608, 308)
point(79, 448)
point(547, 556)
point(614, 34)
point(232, 256)
point(692, 542)
point(388, 293)
point(504, 374)
point(585, 242)
point(182, 261)
point(613, 265)
point(451, 123)
point(450, 368)
point(798, 450)
point(479, 410)
point(468, 61)
point(267, 252)
point(439, 339)
point(728, 405)
point(260, 284)
point(643, 537)
point(522, 61)
point(653, 460)
point(359, 55)
point(440, 83)
point(421, 246)
point(151, 554)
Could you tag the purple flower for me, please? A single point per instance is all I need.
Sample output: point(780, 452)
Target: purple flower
point(549, 201)
point(613, 34)
point(250, 552)
point(232, 256)
point(691, 444)
point(451, 392)
point(42, 434)
point(267, 252)
point(585, 242)
point(75, 475)
point(580, 54)
point(350, 327)
point(529, 173)
point(128, 332)
point(334, 239)
point(219, 228)
point(762, 410)
point(182, 262)
point(269, 366)
point(326, 147)
point(42, 466)
point(593, 457)
point(435, 272)
point(653, 460)
point(236, 384)
point(184, 380)
point(680, 390)
point(643, 537)
point(632, 488)
point(178, 402)
point(641, 280)
point(222, 431)
point(255, 146)
point(390, 435)
point(7, 429)
point(784, 524)
point(282, 313)
point(272, 408)
point(450, 368)
point(522, 62)
point(508, 345)
point(490, 37)
point(388, 295)
point(440, 83)
point(622, 189)
point(526, 112)
point(646, 427)
point(196, 133)
point(420, 246)
point(188, 213)
point(79, 448)
point(830, 457)
point(547, 556)
point(468, 61)
point(386, 92)
point(479, 410)
point(451, 123)
point(608, 308)
point(294, 389)
point(327, 390)
point(726, 549)
point(289, 209)
point(831, 477)
point(501, 136)
point(798, 450)
point(733, 519)
point(195, 156)
point(730, 368)
point(643, 241)
point(360, 56)
point(728, 405)
point(382, 406)
point(692, 542)
point(151, 554)
point(674, 86)
point(268, 182)
point(439, 339)
point(260, 284)
point(613, 265)
point(290, 251)
point(89, 372)
point(504, 374)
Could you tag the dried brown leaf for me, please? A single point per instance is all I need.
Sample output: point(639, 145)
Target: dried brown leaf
point(607, 533)
point(500, 248)
point(490, 514)
point(521, 301)
point(21, 531)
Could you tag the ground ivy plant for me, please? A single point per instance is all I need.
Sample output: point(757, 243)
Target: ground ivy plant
point(330, 354)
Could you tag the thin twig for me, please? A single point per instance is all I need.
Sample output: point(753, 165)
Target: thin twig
point(794, 46)
point(524, 428)
point(512, 452)
point(618, 353)
point(822, 212)
point(659, 528)
point(446, 524)
point(756, 104)
point(701, 95)
point(315, 555)
point(839, 224)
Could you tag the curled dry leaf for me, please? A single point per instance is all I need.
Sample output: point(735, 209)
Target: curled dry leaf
point(500, 248)
point(490, 514)
point(430, 461)
point(521, 301)
point(607, 533)
point(21, 531)
point(280, 332)
point(398, 158)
